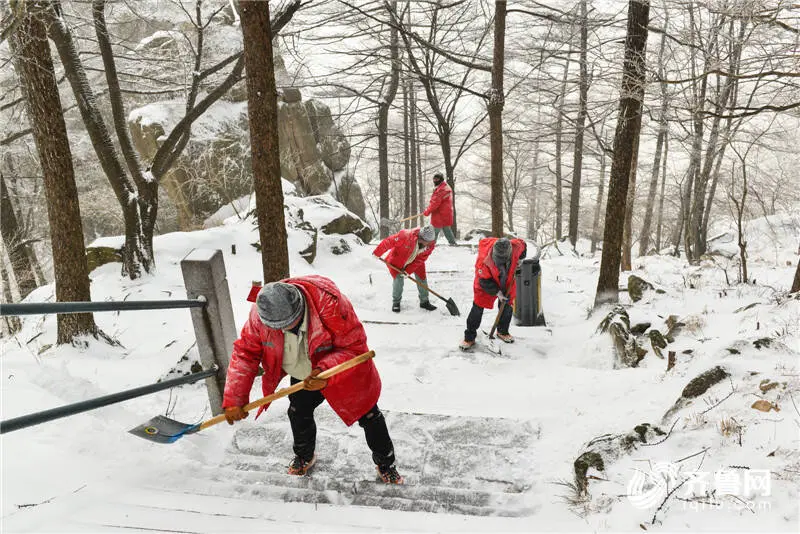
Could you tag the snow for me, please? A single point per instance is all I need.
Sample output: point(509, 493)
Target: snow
point(208, 126)
point(527, 414)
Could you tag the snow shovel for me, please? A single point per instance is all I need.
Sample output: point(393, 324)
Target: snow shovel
point(162, 429)
point(450, 303)
point(492, 343)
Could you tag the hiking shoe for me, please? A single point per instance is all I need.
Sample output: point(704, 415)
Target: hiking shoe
point(427, 306)
point(300, 467)
point(506, 338)
point(389, 474)
point(396, 307)
point(466, 345)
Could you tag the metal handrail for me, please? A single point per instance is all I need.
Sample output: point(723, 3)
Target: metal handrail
point(32, 419)
point(39, 308)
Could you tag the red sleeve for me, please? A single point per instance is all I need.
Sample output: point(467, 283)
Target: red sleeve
point(436, 200)
point(243, 367)
point(384, 245)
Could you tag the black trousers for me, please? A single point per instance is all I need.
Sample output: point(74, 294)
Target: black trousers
point(474, 321)
point(304, 430)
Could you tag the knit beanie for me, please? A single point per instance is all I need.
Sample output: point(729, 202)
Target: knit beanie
point(426, 233)
point(501, 251)
point(279, 305)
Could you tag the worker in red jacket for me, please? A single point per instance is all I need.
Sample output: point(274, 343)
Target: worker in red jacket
point(301, 327)
point(494, 280)
point(408, 251)
point(440, 209)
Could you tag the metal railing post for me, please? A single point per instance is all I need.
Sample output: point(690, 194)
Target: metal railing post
point(214, 326)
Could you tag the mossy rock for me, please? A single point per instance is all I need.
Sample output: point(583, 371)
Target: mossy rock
point(310, 252)
point(762, 343)
point(627, 351)
point(700, 384)
point(657, 341)
point(348, 224)
point(637, 286)
point(97, 256)
point(639, 328)
point(340, 248)
point(581, 466)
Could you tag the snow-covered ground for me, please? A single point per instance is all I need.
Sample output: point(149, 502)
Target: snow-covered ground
point(556, 386)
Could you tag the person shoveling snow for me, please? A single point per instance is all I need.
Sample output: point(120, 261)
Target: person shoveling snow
point(301, 327)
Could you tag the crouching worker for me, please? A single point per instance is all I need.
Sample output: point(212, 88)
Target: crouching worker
point(301, 327)
point(494, 280)
point(408, 251)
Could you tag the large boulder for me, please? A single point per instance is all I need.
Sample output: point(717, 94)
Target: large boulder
point(348, 192)
point(333, 145)
point(301, 161)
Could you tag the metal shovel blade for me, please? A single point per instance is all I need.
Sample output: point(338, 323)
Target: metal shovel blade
point(452, 308)
point(162, 429)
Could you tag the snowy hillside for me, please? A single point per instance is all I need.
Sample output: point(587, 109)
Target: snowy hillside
point(488, 441)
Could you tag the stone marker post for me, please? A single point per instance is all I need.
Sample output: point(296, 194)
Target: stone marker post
point(214, 326)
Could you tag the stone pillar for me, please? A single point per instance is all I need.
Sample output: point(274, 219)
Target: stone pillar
point(214, 327)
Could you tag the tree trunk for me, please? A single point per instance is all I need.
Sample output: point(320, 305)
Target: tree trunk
point(532, 208)
point(599, 204)
point(796, 284)
point(495, 108)
point(577, 155)
point(262, 112)
point(420, 182)
point(385, 103)
point(412, 149)
point(644, 237)
point(629, 121)
point(559, 151)
point(660, 224)
point(14, 241)
point(38, 81)
point(12, 322)
point(630, 200)
point(406, 161)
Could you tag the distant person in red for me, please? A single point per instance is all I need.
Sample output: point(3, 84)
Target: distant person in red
point(301, 327)
point(408, 251)
point(494, 280)
point(440, 209)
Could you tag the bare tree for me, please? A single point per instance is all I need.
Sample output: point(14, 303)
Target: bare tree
point(495, 109)
point(17, 247)
point(796, 283)
point(385, 102)
point(580, 122)
point(262, 110)
point(629, 123)
point(37, 76)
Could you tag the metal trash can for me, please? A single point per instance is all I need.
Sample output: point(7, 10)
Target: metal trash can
point(528, 303)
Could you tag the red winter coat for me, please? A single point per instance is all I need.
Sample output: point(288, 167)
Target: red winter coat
point(400, 247)
point(485, 268)
point(440, 208)
point(335, 335)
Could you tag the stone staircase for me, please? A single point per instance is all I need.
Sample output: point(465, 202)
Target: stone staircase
point(458, 465)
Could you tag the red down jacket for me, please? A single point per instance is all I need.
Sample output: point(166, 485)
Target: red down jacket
point(440, 207)
point(485, 268)
point(335, 335)
point(400, 247)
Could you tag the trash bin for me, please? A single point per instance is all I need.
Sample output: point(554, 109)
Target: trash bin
point(528, 304)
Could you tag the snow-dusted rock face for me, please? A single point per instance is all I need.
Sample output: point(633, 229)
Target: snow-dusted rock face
point(215, 167)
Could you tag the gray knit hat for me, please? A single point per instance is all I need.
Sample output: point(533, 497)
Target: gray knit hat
point(501, 251)
point(279, 304)
point(426, 233)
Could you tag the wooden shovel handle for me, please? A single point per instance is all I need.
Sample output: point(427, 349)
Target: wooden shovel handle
point(294, 388)
point(401, 271)
point(497, 319)
point(409, 218)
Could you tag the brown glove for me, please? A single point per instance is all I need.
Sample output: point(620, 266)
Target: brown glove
point(235, 413)
point(312, 383)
